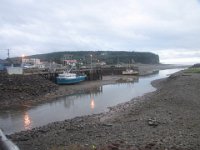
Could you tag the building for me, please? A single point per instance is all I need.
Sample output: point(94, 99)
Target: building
point(68, 60)
point(14, 70)
point(10, 66)
point(1, 65)
point(4, 64)
point(31, 61)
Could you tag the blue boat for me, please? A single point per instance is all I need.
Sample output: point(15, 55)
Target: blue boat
point(69, 78)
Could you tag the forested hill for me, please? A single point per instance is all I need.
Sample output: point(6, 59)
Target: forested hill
point(110, 57)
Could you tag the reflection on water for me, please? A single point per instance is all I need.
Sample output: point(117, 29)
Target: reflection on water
point(92, 104)
point(91, 101)
point(95, 91)
point(27, 121)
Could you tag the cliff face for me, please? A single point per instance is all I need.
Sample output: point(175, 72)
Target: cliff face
point(146, 58)
point(110, 57)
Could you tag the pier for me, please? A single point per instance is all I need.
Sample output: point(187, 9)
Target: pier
point(92, 74)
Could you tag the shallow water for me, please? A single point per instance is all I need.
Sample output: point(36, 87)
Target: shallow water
point(72, 106)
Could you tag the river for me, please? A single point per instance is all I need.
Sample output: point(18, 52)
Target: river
point(97, 101)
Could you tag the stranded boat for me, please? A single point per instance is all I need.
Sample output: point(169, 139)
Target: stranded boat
point(130, 72)
point(69, 78)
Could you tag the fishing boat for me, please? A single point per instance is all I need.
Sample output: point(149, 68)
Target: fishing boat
point(130, 72)
point(69, 78)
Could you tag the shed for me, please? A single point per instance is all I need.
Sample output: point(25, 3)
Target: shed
point(5, 63)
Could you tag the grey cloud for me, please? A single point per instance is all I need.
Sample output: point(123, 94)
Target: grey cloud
point(35, 26)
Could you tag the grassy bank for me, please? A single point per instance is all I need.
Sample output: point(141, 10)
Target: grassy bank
point(193, 70)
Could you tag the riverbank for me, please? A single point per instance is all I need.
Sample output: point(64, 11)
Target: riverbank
point(25, 91)
point(147, 69)
point(165, 119)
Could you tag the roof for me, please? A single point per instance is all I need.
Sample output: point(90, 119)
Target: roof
point(5, 61)
point(2, 61)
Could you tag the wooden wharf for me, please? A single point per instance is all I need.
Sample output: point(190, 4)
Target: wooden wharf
point(92, 74)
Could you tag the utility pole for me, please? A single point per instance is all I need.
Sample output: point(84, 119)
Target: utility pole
point(91, 62)
point(8, 53)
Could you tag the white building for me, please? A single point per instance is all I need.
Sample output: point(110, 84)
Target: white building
point(32, 61)
point(14, 70)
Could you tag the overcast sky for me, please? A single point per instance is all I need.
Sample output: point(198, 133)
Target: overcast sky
point(170, 28)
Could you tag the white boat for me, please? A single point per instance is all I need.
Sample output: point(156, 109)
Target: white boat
point(130, 72)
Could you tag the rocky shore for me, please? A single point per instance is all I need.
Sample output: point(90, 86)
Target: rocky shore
point(23, 90)
point(165, 119)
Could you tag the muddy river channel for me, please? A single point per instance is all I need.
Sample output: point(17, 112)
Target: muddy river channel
point(72, 106)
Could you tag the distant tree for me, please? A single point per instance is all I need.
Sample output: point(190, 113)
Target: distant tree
point(110, 57)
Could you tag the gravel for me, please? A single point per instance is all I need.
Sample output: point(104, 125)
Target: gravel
point(23, 90)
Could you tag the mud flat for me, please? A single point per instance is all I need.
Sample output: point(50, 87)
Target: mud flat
point(165, 119)
point(18, 91)
point(146, 69)
point(24, 91)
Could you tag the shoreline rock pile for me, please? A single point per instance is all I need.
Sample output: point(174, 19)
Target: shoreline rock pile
point(18, 89)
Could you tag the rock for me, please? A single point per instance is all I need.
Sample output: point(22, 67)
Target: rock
point(107, 125)
point(42, 130)
point(113, 147)
point(150, 146)
point(23, 138)
point(153, 122)
point(23, 87)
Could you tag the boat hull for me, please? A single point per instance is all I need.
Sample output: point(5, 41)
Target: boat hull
point(130, 73)
point(70, 80)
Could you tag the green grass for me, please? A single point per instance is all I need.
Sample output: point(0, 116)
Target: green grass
point(193, 70)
